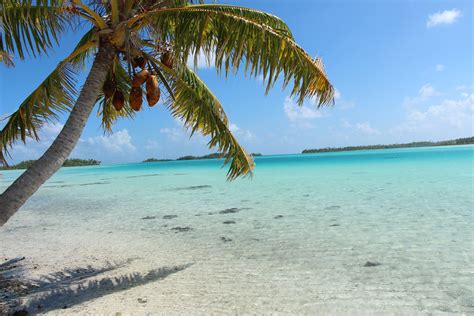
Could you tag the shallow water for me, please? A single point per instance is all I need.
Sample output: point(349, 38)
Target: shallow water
point(385, 231)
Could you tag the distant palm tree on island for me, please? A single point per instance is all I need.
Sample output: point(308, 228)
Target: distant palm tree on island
point(142, 43)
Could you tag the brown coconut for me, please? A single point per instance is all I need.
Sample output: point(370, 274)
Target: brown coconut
point(140, 78)
point(167, 60)
point(136, 98)
point(152, 90)
point(139, 61)
point(118, 100)
point(108, 88)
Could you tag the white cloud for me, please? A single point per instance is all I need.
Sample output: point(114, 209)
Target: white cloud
point(234, 128)
point(363, 128)
point(173, 133)
point(465, 87)
point(152, 145)
point(301, 115)
point(243, 134)
point(337, 94)
point(445, 17)
point(116, 143)
point(427, 91)
point(446, 119)
point(439, 67)
point(202, 61)
point(107, 148)
point(341, 103)
point(179, 134)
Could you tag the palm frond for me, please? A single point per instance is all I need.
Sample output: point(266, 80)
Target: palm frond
point(256, 16)
point(88, 46)
point(55, 95)
point(31, 26)
point(6, 59)
point(200, 111)
point(233, 39)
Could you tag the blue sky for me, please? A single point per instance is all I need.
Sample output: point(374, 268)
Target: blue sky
point(403, 71)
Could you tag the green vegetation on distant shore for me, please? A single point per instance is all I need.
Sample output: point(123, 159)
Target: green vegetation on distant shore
point(156, 160)
point(210, 156)
point(459, 141)
point(74, 162)
point(190, 157)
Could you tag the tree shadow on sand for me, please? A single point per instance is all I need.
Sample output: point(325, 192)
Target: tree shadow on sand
point(67, 288)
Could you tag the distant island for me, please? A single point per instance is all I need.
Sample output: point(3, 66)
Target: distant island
point(73, 162)
point(459, 141)
point(156, 160)
point(190, 157)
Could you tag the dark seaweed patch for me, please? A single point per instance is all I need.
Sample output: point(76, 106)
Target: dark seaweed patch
point(170, 216)
point(181, 229)
point(192, 187)
point(230, 210)
point(332, 207)
point(369, 264)
point(225, 239)
point(149, 217)
point(278, 216)
point(228, 222)
point(76, 185)
point(145, 175)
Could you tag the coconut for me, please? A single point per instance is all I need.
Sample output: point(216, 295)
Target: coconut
point(167, 60)
point(140, 78)
point(118, 100)
point(139, 61)
point(152, 90)
point(136, 98)
point(108, 88)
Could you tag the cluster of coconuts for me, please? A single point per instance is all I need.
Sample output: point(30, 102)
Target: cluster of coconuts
point(144, 76)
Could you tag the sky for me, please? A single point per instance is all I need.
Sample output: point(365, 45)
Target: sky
point(402, 69)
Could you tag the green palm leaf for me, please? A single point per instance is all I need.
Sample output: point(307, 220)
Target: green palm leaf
point(234, 35)
point(55, 95)
point(200, 111)
point(31, 26)
point(6, 59)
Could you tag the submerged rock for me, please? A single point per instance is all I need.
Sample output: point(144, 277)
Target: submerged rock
point(225, 239)
point(192, 187)
point(332, 207)
point(371, 264)
point(181, 229)
point(149, 217)
point(230, 210)
point(170, 216)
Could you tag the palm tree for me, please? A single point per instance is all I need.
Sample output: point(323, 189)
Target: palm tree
point(132, 42)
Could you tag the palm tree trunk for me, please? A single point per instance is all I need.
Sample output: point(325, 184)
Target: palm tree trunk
point(30, 181)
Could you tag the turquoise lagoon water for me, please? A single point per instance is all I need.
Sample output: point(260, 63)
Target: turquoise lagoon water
point(295, 238)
